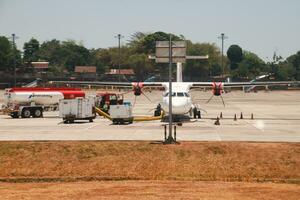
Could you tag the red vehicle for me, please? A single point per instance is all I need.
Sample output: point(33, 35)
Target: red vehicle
point(110, 99)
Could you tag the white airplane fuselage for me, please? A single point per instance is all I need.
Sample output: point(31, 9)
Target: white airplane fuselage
point(181, 98)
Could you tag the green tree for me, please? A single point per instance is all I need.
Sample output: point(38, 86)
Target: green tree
point(145, 42)
point(31, 51)
point(51, 51)
point(73, 55)
point(235, 55)
point(136, 42)
point(250, 66)
point(101, 59)
point(285, 71)
point(141, 66)
point(5, 53)
point(202, 69)
point(294, 60)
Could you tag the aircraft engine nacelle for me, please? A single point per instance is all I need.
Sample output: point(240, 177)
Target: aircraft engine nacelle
point(137, 89)
point(217, 88)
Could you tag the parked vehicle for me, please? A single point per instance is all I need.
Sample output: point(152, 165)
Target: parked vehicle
point(27, 102)
point(77, 109)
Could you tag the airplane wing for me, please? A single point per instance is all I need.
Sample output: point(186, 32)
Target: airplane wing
point(117, 84)
point(92, 83)
point(163, 84)
point(264, 83)
point(241, 84)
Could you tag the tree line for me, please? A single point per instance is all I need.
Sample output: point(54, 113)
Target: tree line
point(63, 56)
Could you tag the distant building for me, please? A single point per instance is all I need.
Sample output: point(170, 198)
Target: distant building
point(129, 72)
point(85, 72)
point(113, 75)
point(86, 69)
point(40, 66)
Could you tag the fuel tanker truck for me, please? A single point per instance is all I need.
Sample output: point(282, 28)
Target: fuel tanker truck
point(27, 102)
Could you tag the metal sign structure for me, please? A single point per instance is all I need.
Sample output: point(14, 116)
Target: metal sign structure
point(162, 54)
point(173, 52)
point(170, 52)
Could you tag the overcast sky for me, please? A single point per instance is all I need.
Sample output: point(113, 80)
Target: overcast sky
point(260, 26)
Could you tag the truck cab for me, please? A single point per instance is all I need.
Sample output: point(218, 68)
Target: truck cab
point(110, 98)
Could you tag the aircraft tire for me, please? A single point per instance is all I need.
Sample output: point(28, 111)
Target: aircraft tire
point(199, 114)
point(195, 113)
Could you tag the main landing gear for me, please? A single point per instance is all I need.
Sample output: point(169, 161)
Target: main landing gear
point(196, 113)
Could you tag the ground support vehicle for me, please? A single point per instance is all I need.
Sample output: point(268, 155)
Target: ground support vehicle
point(121, 114)
point(77, 109)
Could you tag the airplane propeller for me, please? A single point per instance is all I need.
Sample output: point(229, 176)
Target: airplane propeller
point(146, 97)
point(213, 96)
point(217, 89)
point(137, 90)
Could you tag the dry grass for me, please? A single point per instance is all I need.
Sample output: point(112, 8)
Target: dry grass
point(210, 161)
point(115, 190)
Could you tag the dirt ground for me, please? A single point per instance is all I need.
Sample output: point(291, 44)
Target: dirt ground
point(145, 170)
point(150, 190)
point(206, 161)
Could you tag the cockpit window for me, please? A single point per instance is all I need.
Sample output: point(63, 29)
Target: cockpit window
point(186, 94)
point(180, 94)
point(167, 94)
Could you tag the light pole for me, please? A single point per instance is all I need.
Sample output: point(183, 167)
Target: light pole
point(119, 36)
point(170, 137)
point(222, 37)
point(14, 37)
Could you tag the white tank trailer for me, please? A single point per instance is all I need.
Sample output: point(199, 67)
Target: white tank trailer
point(27, 102)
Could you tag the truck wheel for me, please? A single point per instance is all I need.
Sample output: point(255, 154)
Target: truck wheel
point(37, 113)
point(26, 113)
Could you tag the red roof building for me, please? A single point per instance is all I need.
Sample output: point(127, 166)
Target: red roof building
point(40, 65)
point(85, 69)
point(122, 71)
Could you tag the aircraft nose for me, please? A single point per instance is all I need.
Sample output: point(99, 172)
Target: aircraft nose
point(178, 107)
